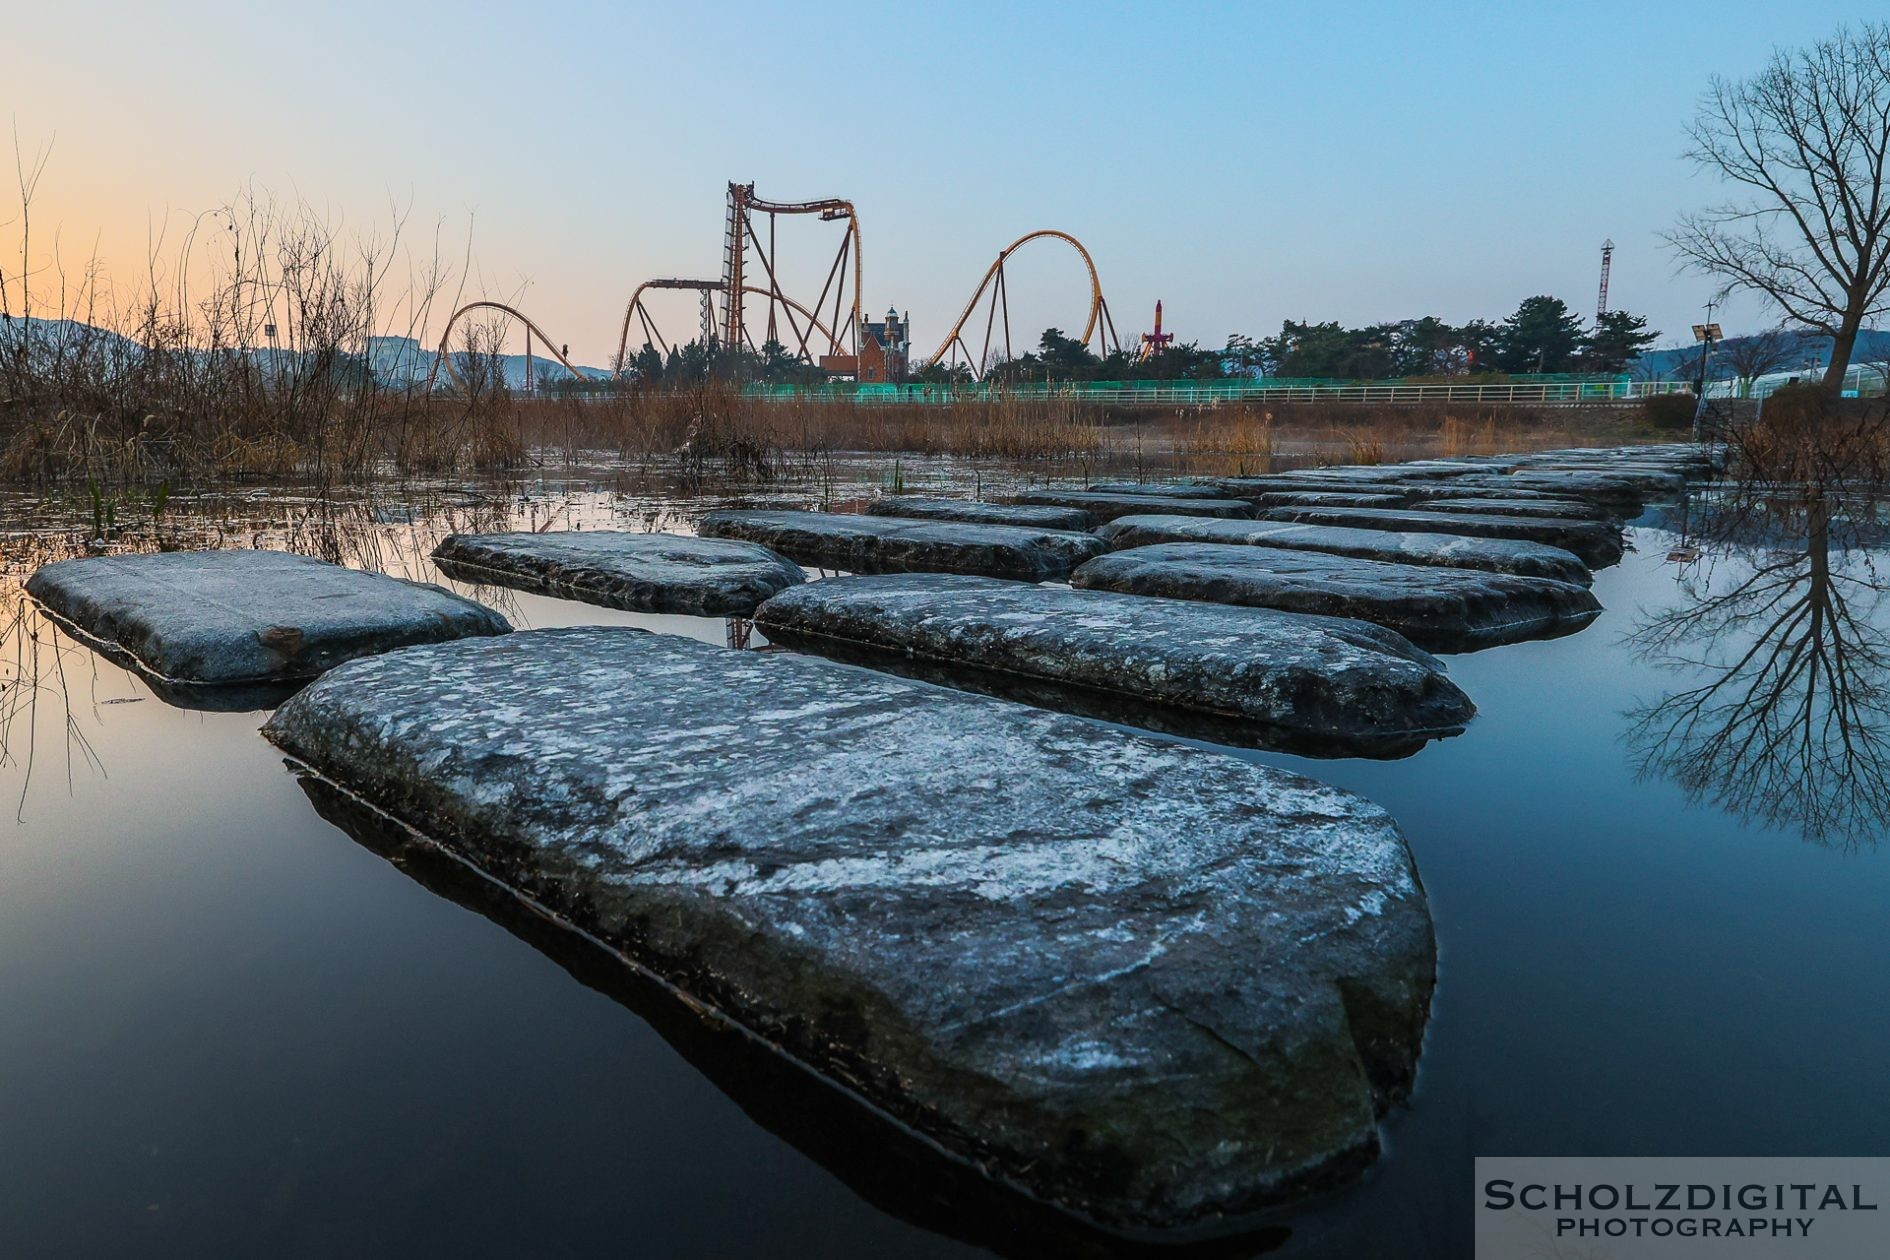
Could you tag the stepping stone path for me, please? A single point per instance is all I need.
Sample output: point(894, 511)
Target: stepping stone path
point(1312, 684)
point(196, 622)
point(1597, 543)
point(914, 507)
point(1106, 507)
point(1441, 609)
point(1150, 983)
point(887, 544)
point(1492, 555)
point(653, 573)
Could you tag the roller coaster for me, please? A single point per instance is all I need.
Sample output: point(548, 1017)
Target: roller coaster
point(828, 331)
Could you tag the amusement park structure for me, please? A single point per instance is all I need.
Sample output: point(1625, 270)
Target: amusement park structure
point(1153, 343)
point(832, 331)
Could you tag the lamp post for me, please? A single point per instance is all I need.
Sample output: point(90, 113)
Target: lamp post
point(1706, 334)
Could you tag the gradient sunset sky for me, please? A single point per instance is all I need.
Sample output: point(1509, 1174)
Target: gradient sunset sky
point(1246, 163)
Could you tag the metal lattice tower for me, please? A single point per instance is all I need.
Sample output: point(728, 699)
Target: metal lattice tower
point(1607, 264)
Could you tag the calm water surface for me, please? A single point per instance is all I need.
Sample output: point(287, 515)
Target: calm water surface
point(226, 1028)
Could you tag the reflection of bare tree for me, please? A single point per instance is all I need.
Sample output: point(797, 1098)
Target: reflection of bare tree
point(1788, 632)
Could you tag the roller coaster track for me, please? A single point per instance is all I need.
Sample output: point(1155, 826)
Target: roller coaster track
point(1099, 318)
point(636, 311)
point(742, 206)
point(446, 337)
point(632, 311)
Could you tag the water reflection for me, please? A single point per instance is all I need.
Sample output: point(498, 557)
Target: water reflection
point(1783, 620)
point(883, 1162)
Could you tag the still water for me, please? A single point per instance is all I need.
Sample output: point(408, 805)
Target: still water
point(227, 1028)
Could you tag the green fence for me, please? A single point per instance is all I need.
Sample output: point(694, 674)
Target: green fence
point(1550, 389)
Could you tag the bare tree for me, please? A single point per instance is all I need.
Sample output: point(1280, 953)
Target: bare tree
point(1752, 356)
point(1808, 139)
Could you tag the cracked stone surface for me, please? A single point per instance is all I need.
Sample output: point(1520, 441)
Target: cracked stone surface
point(1321, 681)
point(243, 618)
point(1151, 983)
point(1597, 543)
point(1493, 555)
point(642, 572)
point(1441, 609)
point(1107, 507)
point(891, 544)
point(980, 513)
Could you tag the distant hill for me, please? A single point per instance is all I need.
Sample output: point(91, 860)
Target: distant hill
point(396, 360)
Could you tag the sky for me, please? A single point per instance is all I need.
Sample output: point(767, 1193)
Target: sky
point(1244, 163)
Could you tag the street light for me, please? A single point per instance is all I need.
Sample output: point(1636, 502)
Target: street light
point(1706, 334)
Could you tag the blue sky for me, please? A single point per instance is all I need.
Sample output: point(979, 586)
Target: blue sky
point(1246, 163)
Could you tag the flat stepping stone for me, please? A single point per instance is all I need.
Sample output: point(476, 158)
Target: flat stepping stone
point(1597, 543)
point(1279, 483)
point(1107, 507)
point(1491, 555)
point(1324, 498)
point(1150, 983)
point(914, 507)
point(1319, 685)
point(1605, 489)
point(1443, 610)
point(641, 572)
point(890, 544)
point(1566, 509)
point(1420, 494)
point(196, 622)
point(1166, 489)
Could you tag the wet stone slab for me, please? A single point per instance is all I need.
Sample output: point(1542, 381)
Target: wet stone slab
point(1107, 507)
point(1323, 498)
point(1443, 610)
point(1567, 509)
point(1030, 937)
point(888, 544)
point(1314, 684)
point(208, 620)
point(1492, 555)
point(916, 507)
point(1166, 489)
point(655, 573)
point(1597, 543)
point(1620, 494)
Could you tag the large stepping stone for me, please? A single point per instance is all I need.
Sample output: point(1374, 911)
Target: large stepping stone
point(1443, 610)
point(1646, 479)
point(1597, 543)
point(1420, 494)
point(889, 544)
point(641, 572)
point(1107, 507)
point(915, 507)
point(1166, 489)
point(1317, 685)
point(236, 629)
point(1566, 509)
point(1280, 483)
point(1146, 982)
point(1492, 555)
point(1621, 494)
point(1324, 498)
